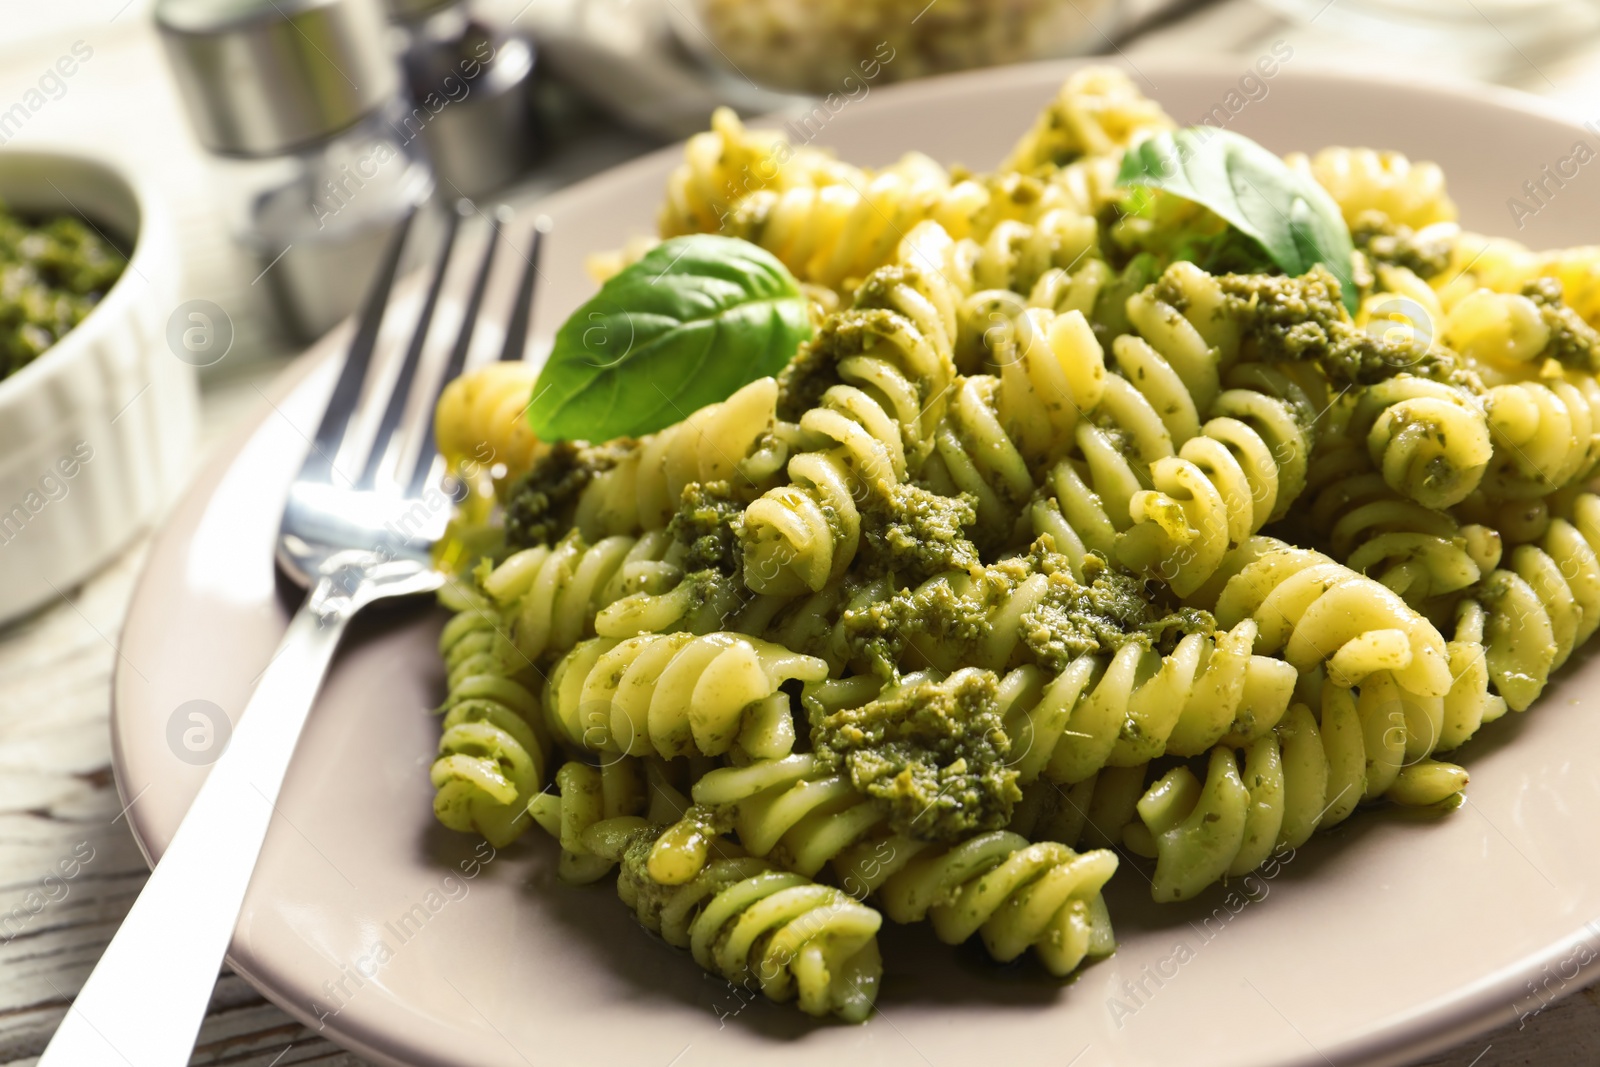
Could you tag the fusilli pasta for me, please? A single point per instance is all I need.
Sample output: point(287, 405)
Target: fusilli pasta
point(491, 758)
point(1075, 525)
point(1304, 775)
point(677, 695)
point(760, 928)
point(482, 419)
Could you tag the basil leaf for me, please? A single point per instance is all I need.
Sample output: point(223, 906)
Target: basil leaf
point(687, 325)
point(1294, 219)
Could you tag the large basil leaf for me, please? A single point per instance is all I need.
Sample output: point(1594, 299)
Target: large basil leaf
point(684, 327)
point(1293, 218)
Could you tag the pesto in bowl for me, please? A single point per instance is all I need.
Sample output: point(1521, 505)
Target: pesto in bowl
point(53, 271)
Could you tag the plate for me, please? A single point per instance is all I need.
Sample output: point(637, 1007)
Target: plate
point(1378, 942)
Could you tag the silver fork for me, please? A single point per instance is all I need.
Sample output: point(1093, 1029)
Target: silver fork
point(350, 544)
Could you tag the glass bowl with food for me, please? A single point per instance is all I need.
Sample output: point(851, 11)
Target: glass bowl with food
point(842, 46)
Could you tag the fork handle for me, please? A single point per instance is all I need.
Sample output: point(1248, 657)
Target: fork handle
point(143, 1003)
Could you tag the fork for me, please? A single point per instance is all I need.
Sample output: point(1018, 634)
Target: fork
point(351, 543)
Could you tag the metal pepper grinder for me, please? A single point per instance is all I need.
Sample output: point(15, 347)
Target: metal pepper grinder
point(469, 90)
point(303, 95)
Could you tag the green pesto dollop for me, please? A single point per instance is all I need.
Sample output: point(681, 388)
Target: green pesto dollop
point(707, 525)
point(955, 615)
point(935, 752)
point(878, 632)
point(539, 508)
point(52, 274)
point(1302, 319)
point(642, 892)
point(913, 534)
point(815, 366)
point(1102, 613)
point(1573, 342)
point(1392, 244)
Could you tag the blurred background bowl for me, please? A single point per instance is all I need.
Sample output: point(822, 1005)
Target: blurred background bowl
point(96, 433)
point(836, 46)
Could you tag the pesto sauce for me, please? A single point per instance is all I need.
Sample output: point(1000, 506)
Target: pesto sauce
point(539, 508)
point(1393, 244)
point(934, 752)
point(913, 534)
point(707, 525)
point(1573, 342)
point(1100, 614)
point(815, 366)
point(52, 274)
point(1302, 319)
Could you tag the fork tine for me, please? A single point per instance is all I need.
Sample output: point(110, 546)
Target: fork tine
point(517, 329)
point(394, 411)
point(347, 390)
point(458, 355)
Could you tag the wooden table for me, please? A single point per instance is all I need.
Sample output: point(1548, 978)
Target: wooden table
point(57, 798)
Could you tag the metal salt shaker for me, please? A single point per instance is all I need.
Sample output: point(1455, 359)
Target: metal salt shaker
point(469, 95)
point(314, 88)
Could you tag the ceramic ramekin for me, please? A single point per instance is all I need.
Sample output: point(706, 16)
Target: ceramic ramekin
point(98, 431)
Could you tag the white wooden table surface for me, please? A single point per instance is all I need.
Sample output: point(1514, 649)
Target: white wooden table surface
point(57, 799)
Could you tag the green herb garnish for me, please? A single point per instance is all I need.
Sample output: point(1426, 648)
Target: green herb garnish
point(1293, 218)
point(687, 325)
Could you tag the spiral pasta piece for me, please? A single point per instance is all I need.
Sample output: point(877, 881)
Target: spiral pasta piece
point(1070, 715)
point(726, 163)
point(1528, 615)
point(1000, 297)
point(1319, 613)
point(1002, 429)
point(1308, 773)
point(1093, 813)
point(1015, 894)
point(802, 815)
point(1139, 705)
point(1431, 441)
point(553, 595)
point(1506, 266)
point(1543, 604)
point(1497, 332)
point(1362, 180)
point(481, 418)
point(1098, 112)
point(1017, 257)
point(798, 810)
point(491, 758)
point(833, 224)
point(1470, 703)
point(1244, 468)
point(836, 235)
point(1578, 271)
point(1546, 436)
point(584, 796)
point(1213, 483)
point(588, 808)
point(1418, 552)
point(759, 928)
point(677, 695)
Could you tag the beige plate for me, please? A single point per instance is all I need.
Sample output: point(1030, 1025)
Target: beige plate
point(1380, 941)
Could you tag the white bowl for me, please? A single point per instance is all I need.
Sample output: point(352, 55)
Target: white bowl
point(96, 433)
